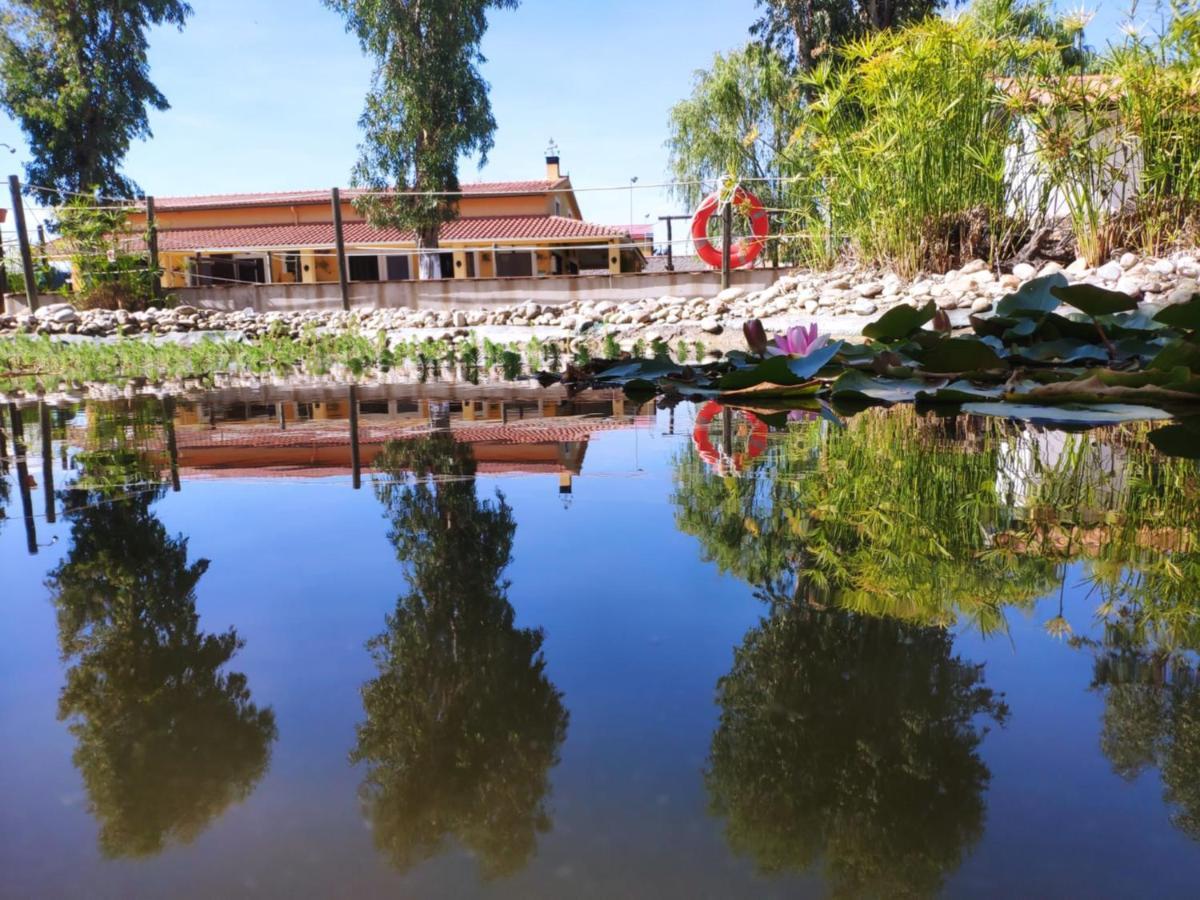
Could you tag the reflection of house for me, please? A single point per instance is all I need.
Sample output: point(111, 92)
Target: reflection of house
point(297, 438)
point(504, 229)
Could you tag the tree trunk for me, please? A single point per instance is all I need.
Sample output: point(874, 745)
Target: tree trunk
point(429, 263)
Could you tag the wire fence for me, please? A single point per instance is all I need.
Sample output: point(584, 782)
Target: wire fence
point(47, 246)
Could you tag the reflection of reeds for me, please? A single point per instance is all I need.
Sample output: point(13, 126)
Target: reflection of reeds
point(935, 519)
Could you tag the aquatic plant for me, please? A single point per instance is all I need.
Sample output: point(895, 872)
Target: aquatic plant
point(799, 341)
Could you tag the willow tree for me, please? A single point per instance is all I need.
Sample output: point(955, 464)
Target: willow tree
point(427, 107)
point(74, 74)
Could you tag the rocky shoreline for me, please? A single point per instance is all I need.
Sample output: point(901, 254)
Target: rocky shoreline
point(841, 300)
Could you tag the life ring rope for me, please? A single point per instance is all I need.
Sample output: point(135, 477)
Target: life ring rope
point(743, 251)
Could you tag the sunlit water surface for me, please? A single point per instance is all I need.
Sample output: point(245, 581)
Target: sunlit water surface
point(376, 643)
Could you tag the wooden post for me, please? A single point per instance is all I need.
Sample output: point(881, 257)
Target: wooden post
point(670, 248)
point(18, 437)
point(340, 243)
point(168, 422)
point(152, 245)
point(355, 459)
point(726, 242)
point(727, 431)
point(47, 461)
point(14, 187)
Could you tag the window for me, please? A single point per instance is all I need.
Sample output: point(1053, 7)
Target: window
point(558, 207)
point(292, 267)
point(447, 264)
point(513, 265)
point(364, 268)
point(397, 268)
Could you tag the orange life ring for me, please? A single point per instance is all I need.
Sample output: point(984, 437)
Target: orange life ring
point(742, 252)
point(719, 462)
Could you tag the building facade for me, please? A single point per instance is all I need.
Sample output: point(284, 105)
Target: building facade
point(504, 229)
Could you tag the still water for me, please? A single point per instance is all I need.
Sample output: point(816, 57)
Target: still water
point(387, 642)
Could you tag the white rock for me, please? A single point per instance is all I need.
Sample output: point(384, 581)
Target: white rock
point(1163, 267)
point(1079, 267)
point(710, 325)
point(947, 302)
point(864, 307)
point(730, 294)
point(1128, 260)
point(1131, 286)
point(1048, 269)
point(870, 289)
point(811, 306)
point(981, 305)
point(1024, 271)
point(975, 265)
point(1110, 271)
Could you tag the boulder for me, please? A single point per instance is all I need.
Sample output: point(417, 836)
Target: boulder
point(1024, 271)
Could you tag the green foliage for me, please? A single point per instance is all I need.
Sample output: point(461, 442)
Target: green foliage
point(107, 275)
point(75, 75)
point(805, 31)
point(462, 725)
point(609, 348)
point(165, 740)
point(428, 107)
point(851, 743)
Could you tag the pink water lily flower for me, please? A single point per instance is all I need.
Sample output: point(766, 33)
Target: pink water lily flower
point(800, 341)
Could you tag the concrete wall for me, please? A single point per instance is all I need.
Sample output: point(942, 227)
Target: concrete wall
point(479, 293)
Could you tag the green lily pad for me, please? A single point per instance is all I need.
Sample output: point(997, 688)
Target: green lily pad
point(1065, 350)
point(899, 322)
point(960, 355)
point(1181, 315)
point(647, 369)
point(1093, 300)
point(1033, 297)
point(1177, 353)
point(853, 385)
point(961, 391)
point(1068, 414)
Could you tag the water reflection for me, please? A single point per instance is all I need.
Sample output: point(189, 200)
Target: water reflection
point(851, 741)
point(462, 725)
point(165, 740)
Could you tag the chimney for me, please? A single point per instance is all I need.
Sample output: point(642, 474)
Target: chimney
point(553, 173)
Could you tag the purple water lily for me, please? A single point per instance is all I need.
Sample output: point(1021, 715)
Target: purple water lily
point(800, 341)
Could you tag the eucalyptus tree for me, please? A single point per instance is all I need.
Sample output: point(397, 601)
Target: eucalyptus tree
point(427, 107)
point(462, 724)
point(75, 75)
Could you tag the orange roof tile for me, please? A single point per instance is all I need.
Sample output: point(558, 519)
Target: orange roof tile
point(289, 198)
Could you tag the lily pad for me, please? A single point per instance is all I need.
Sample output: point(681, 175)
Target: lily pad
point(1069, 414)
point(853, 385)
point(808, 366)
point(647, 369)
point(1065, 350)
point(767, 389)
point(961, 391)
point(1177, 353)
point(1032, 297)
point(960, 355)
point(1093, 300)
point(1181, 315)
point(899, 322)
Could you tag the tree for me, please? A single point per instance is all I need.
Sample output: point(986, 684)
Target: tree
point(462, 725)
point(165, 740)
point(74, 74)
point(737, 123)
point(852, 742)
point(805, 31)
point(428, 106)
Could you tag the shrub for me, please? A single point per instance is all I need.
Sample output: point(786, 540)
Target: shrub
point(106, 274)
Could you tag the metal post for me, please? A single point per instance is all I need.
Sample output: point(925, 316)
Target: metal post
point(726, 242)
point(340, 243)
point(727, 430)
point(670, 248)
point(152, 245)
point(47, 461)
point(18, 436)
point(355, 460)
point(14, 187)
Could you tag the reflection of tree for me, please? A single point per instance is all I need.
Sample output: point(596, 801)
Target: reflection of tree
point(1151, 715)
point(892, 515)
point(850, 740)
point(462, 725)
point(165, 740)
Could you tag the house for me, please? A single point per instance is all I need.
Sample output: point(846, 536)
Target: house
point(504, 229)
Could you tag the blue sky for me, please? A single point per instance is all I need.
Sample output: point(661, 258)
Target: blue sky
point(266, 94)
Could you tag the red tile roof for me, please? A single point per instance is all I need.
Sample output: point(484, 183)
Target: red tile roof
point(317, 235)
point(289, 198)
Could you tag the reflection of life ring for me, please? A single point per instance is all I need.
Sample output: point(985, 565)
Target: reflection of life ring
point(742, 252)
point(720, 462)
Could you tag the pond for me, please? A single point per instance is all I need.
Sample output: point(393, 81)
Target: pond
point(517, 642)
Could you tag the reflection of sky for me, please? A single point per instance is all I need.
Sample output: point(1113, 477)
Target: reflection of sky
point(638, 630)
